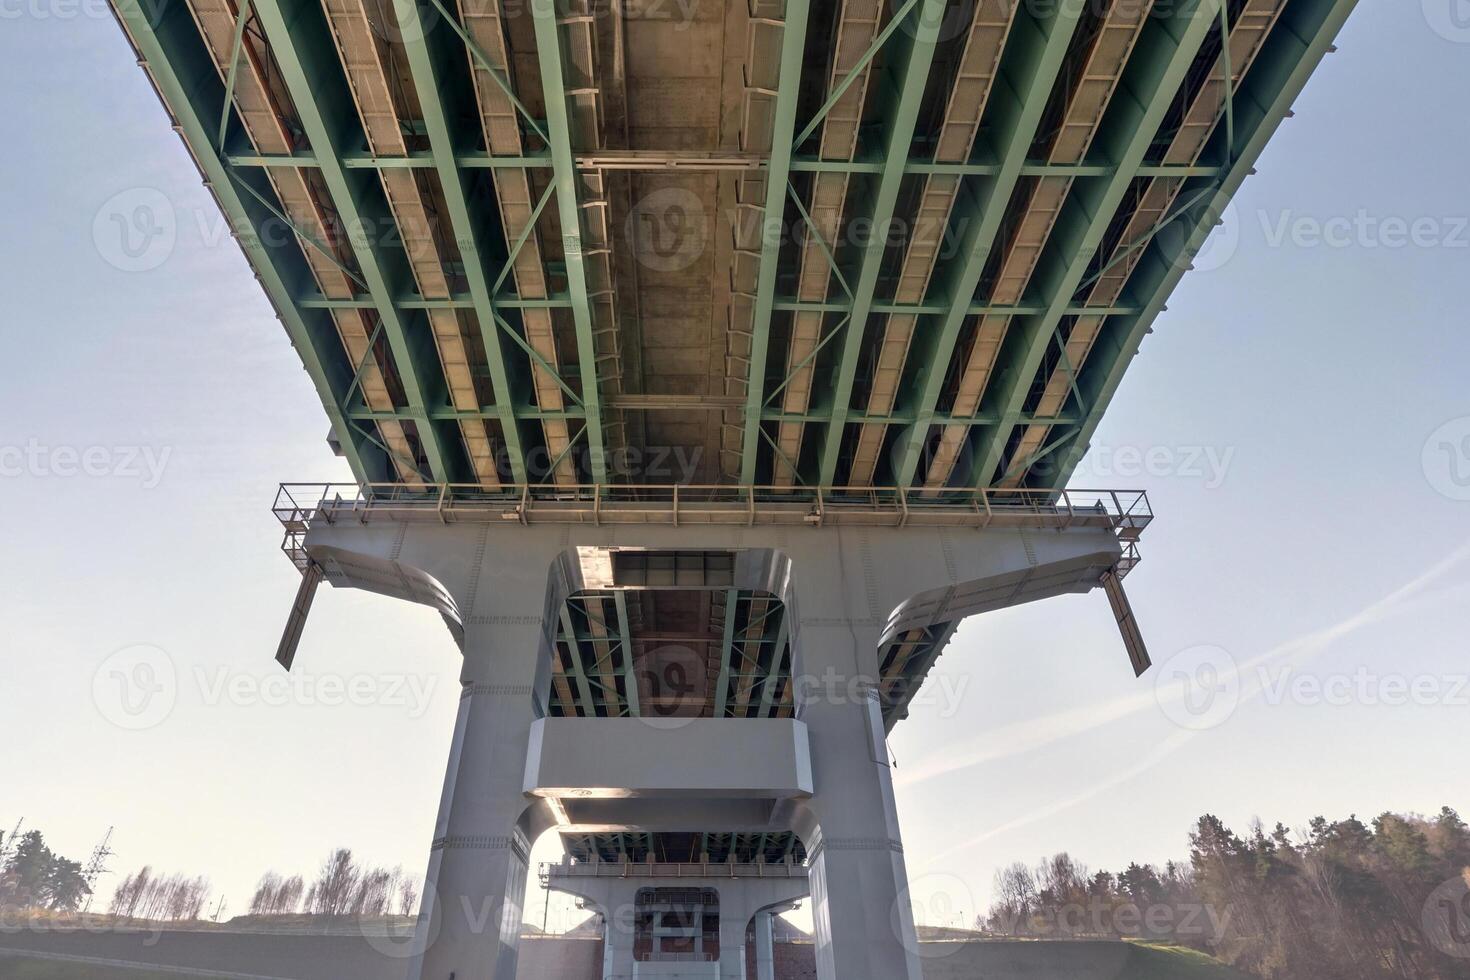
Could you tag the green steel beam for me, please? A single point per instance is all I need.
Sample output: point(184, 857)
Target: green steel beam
point(727, 649)
point(1041, 48)
point(414, 160)
point(168, 43)
point(584, 693)
point(1155, 73)
point(1294, 49)
point(778, 654)
point(630, 677)
point(522, 411)
point(793, 46)
point(482, 161)
point(905, 418)
point(459, 301)
point(532, 412)
point(854, 72)
point(312, 73)
point(425, 69)
point(922, 309)
point(904, 113)
point(564, 176)
point(1033, 168)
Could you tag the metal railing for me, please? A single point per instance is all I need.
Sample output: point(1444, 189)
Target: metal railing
point(298, 505)
point(670, 869)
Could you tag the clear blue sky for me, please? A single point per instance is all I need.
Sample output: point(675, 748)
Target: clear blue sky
point(1314, 367)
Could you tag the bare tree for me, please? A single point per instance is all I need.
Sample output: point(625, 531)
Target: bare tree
point(336, 885)
point(408, 896)
point(1016, 899)
point(263, 901)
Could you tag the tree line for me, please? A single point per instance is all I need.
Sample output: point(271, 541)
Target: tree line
point(1337, 900)
point(160, 897)
point(341, 887)
point(32, 876)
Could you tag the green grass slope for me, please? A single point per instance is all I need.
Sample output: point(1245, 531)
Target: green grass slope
point(1152, 962)
point(26, 968)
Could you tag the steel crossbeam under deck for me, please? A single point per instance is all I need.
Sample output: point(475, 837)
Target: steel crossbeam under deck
point(170, 49)
point(657, 161)
point(294, 66)
point(1154, 78)
point(426, 63)
point(903, 116)
point(1263, 102)
point(793, 45)
point(558, 125)
point(1019, 105)
point(311, 72)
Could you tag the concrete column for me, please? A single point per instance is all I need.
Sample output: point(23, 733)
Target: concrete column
point(470, 924)
point(860, 908)
point(617, 946)
point(734, 922)
point(765, 947)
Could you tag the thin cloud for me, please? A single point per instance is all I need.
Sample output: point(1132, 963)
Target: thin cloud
point(1031, 734)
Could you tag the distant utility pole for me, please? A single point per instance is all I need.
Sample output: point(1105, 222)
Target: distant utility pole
point(8, 844)
point(96, 867)
point(219, 909)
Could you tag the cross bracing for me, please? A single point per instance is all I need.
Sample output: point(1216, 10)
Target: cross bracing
point(686, 848)
point(672, 653)
point(900, 244)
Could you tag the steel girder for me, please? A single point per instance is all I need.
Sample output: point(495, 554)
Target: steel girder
point(917, 165)
point(558, 125)
point(1041, 48)
point(1150, 84)
point(903, 115)
point(312, 73)
point(793, 44)
point(173, 53)
point(425, 67)
point(1263, 101)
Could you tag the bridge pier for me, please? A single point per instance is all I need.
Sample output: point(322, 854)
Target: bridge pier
point(471, 912)
point(765, 947)
point(819, 769)
point(623, 894)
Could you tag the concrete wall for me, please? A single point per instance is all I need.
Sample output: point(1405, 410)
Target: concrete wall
point(288, 957)
point(317, 957)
